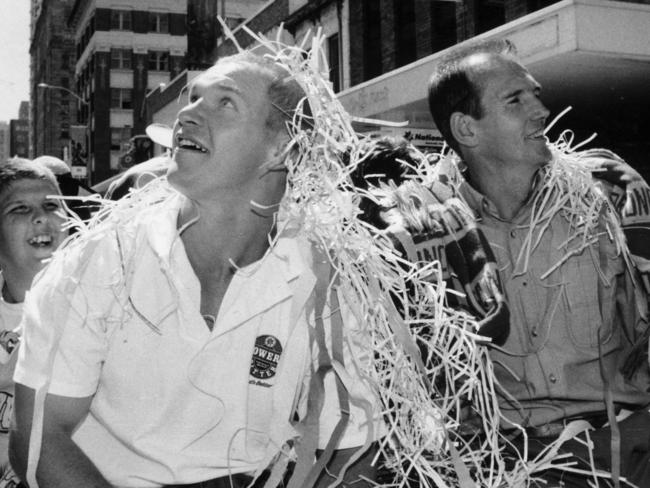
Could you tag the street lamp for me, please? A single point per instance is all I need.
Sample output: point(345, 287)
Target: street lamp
point(67, 90)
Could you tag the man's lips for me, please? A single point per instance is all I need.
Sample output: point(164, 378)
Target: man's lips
point(189, 144)
point(538, 134)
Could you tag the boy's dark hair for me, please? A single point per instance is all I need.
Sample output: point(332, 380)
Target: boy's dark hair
point(385, 159)
point(451, 88)
point(16, 169)
point(285, 93)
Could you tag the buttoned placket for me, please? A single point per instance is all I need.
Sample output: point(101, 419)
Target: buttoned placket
point(507, 239)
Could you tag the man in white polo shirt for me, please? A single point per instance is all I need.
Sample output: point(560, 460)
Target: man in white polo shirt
point(174, 346)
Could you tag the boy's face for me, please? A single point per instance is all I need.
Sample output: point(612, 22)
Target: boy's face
point(30, 224)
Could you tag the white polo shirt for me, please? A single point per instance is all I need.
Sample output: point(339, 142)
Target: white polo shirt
point(174, 402)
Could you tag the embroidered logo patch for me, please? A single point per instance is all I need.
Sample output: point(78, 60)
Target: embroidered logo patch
point(266, 355)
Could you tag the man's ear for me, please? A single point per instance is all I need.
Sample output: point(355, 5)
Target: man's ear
point(277, 154)
point(463, 129)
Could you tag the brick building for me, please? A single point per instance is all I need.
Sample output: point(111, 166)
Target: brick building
point(122, 53)
point(19, 132)
point(4, 141)
point(591, 54)
point(51, 50)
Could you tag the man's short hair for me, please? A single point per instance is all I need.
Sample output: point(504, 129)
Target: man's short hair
point(285, 93)
point(16, 169)
point(451, 88)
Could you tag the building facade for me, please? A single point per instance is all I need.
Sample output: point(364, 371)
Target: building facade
point(5, 152)
point(53, 108)
point(19, 132)
point(204, 30)
point(591, 54)
point(122, 52)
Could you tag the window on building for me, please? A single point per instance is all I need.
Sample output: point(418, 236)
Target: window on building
point(119, 138)
point(121, 20)
point(489, 14)
point(333, 61)
point(121, 98)
point(443, 25)
point(158, 61)
point(371, 39)
point(121, 58)
point(158, 22)
point(405, 47)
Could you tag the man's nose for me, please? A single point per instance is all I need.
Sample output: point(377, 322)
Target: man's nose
point(188, 115)
point(539, 110)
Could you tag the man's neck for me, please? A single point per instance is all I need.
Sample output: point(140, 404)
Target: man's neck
point(507, 190)
point(220, 238)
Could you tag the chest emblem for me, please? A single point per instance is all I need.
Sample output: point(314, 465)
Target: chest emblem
point(266, 355)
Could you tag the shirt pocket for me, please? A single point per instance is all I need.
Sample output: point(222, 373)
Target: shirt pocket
point(590, 300)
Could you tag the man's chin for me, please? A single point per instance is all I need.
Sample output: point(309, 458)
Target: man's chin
point(173, 176)
point(179, 180)
point(546, 156)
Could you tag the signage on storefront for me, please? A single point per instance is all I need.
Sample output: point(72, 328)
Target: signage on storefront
point(424, 139)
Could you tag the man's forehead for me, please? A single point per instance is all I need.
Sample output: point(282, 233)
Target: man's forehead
point(235, 75)
point(485, 67)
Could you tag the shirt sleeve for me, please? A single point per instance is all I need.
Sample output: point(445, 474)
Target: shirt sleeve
point(65, 333)
point(365, 420)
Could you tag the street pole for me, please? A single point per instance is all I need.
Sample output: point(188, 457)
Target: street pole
point(73, 149)
point(63, 88)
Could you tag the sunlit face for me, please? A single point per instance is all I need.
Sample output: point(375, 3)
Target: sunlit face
point(221, 137)
point(511, 131)
point(30, 224)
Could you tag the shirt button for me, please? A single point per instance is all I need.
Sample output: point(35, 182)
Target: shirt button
point(534, 332)
point(552, 378)
point(512, 234)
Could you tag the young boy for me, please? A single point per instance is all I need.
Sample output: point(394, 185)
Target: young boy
point(30, 231)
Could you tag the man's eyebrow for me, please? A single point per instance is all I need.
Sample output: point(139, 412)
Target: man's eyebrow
point(512, 93)
point(227, 87)
point(536, 88)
